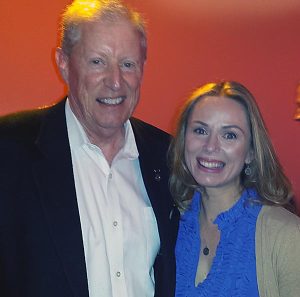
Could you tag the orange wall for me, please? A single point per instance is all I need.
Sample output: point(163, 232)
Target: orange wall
point(188, 46)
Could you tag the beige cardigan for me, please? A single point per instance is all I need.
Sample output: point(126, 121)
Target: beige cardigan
point(278, 253)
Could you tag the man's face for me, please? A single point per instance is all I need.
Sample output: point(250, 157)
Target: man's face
point(104, 73)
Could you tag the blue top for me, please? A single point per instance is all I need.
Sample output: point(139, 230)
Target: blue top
point(233, 271)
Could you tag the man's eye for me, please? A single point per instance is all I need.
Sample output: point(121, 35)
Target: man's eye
point(230, 135)
point(97, 61)
point(128, 65)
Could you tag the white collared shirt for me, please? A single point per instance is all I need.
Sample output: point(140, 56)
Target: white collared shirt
point(118, 224)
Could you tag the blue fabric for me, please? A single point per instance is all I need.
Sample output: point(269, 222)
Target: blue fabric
point(233, 271)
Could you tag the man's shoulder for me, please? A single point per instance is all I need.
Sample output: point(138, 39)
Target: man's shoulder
point(23, 125)
point(146, 130)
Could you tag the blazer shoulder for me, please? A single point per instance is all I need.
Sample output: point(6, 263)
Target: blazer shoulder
point(22, 126)
point(149, 133)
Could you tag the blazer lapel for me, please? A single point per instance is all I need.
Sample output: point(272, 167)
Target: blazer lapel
point(54, 178)
point(154, 170)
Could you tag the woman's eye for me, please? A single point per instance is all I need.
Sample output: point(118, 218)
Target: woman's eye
point(230, 135)
point(200, 131)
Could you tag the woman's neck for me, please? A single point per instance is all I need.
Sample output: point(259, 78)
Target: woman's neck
point(215, 201)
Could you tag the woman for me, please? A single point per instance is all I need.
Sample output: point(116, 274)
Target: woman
point(235, 238)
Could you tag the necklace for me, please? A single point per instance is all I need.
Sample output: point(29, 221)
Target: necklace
point(205, 251)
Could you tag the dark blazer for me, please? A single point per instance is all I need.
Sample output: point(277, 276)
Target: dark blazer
point(41, 247)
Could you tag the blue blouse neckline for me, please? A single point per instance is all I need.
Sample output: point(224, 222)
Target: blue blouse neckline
point(228, 253)
point(249, 196)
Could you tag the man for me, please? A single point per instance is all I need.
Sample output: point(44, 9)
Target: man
point(84, 203)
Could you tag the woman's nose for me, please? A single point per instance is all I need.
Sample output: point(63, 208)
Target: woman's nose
point(212, 143)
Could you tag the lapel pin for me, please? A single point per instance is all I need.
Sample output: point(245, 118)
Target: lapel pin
point(157, 175)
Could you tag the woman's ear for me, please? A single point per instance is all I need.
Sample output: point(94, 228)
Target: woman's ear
point(250, 156)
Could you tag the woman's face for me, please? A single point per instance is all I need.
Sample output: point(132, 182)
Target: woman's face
point(217, 142)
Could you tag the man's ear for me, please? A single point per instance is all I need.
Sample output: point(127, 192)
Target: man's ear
point(62, 62)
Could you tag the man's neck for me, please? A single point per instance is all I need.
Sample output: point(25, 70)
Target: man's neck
point(109, 143)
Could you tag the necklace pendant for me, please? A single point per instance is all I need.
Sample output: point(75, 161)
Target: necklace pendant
point(205, 251)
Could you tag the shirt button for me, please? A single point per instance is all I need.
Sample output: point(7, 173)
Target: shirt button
point(115, 223)
point(110, 176)
point(118, 274)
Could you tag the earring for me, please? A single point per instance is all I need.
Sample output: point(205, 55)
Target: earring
point(248, 170)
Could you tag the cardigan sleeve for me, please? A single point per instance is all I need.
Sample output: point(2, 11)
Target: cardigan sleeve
point(278, 253)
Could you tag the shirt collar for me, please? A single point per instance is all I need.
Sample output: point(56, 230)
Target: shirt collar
point(78, 137)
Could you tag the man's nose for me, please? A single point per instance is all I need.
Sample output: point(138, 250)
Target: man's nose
point(113, 78)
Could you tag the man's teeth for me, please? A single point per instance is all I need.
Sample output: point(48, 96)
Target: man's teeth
point(211, 164)
point(111, 101)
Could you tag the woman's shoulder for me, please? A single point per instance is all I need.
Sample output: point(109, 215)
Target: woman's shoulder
point(278, 252)
point(278, 218)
